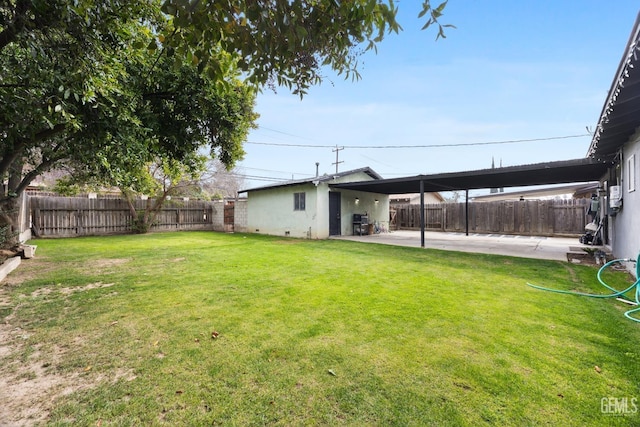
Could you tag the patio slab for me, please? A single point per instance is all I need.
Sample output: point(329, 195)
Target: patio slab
point(540, 247)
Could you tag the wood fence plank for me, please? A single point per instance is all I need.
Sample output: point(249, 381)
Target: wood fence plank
point(75, 216)
point(528, 217)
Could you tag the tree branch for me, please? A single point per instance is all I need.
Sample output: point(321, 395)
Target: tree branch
point(13, 152)
point(10, 155)
point(129, 198)
point(12, 30)
point(38, 170)
point(48, 133)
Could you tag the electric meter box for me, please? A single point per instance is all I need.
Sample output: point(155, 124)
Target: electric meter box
point(615, 196)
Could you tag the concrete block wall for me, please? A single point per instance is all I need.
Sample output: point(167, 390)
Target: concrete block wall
point(217, 207)
point(240, 216)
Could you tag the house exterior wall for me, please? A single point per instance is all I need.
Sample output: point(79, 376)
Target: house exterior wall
point(271, 211)
point(430, 198)
point(414, 199)
point(366, 204)
point(625, 226)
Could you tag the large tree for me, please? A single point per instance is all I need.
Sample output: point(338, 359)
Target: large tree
point(71, 73)
point(63, 90)
point(80, 88)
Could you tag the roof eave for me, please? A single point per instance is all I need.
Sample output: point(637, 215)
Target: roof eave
point(628, 61)
point(317, 179)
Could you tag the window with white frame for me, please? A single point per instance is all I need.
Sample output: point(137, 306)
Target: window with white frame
point(299, 201)
point(631, 173)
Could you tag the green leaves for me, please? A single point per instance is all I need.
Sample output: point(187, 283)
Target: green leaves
point(91, 85)
point(280, 41)
point(434, 15)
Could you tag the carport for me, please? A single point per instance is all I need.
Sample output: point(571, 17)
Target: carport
point(559, 172)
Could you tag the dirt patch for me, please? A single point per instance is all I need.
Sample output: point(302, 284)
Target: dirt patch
point(29, 269)
point(103, 266)
point(572, 273)
point(108, 263)
point(29, 393)
point(26, 388)
point(69, 291)
point(30, 387)
point(5, 300)
point(33, 268)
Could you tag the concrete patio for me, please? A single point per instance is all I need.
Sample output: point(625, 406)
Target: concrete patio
point(552, 248)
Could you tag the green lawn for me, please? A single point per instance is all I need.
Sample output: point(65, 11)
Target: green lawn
point(315, 332)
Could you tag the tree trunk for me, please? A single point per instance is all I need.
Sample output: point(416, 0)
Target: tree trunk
point(143, 220)
point(9, 222)
point(15, 176)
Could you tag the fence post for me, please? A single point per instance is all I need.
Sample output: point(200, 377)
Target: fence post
point(35, 222)
point(79, 223)
point(444, 217)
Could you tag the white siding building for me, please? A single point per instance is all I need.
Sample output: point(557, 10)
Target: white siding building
point(624, 223)
point(311, 209)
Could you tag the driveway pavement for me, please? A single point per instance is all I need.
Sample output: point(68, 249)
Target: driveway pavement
point(553, 248)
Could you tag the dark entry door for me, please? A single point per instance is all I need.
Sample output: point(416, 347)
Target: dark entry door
point(335, 224)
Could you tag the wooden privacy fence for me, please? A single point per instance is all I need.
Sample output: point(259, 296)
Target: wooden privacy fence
point(76, 216)
point(528, 217)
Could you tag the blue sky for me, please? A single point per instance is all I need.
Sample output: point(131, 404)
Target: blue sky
point(511, 70)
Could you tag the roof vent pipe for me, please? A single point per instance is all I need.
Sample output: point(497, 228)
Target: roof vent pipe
point(317, 171)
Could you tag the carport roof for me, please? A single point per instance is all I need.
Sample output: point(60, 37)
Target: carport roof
point(566, 171)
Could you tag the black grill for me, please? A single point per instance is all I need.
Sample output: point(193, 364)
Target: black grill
point(360, 224)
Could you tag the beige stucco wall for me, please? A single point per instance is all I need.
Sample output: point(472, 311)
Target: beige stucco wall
point(270, 211)
point(366, 203)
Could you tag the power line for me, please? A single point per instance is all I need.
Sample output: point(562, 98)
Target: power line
point(258, 178)
point(283, 133)
point(334, 147)
point(463, 144)
point(271, 170)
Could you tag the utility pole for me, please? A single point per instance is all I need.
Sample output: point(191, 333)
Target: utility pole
point(337, 150)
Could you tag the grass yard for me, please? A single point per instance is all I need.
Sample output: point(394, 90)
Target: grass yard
point(118, 331)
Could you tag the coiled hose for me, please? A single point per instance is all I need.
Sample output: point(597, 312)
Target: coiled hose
point(616, 293)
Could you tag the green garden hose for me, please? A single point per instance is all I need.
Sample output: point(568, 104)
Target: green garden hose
point(616, 293)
